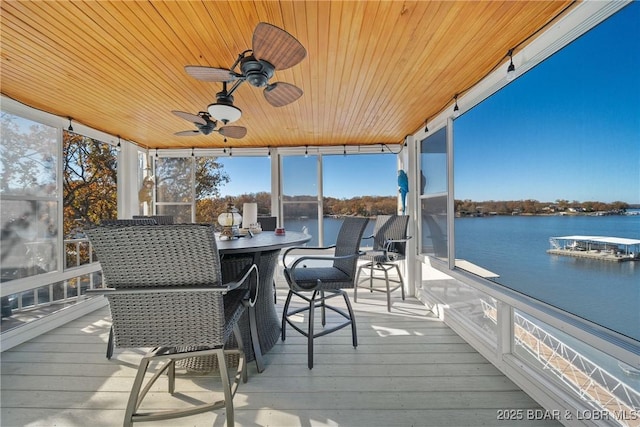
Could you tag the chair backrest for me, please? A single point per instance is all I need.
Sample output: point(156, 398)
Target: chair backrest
point(390, 227)
point(160, 219)
point(268, 223)
point(348, 243)
point(165, 255)
point(161, 260)
point(127, 222)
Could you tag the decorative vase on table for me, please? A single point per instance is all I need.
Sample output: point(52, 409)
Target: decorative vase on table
point(230, 220)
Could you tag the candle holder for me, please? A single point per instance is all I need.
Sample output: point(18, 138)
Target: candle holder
point(230, 221)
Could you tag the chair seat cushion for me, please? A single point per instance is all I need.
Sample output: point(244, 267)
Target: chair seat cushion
point(374, 256)
point(307, 278)
point(381, 256)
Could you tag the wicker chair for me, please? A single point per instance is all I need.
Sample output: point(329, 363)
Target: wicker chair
point(389, 242)
point(324, 283)
point(166, 292)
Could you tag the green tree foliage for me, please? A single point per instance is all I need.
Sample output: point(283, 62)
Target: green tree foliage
point(210, 176)
point(89, 179)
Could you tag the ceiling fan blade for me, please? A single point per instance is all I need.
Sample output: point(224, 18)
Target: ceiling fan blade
point(280, 94)
point(187, 132)
point(193, 118)
point(233, 131)
point(210, 74)
point(276, 46)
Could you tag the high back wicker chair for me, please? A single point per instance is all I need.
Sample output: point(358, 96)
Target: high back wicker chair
point(389, 244)
point(166, 292)
point(324, 283)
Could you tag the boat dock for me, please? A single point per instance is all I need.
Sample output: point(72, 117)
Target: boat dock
point(615, 249)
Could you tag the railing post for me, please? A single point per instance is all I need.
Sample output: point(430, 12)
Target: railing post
point(504, 328)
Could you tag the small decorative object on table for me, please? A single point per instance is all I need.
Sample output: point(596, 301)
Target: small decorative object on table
point(279, 231)
point(230, 221)
point(250, 218)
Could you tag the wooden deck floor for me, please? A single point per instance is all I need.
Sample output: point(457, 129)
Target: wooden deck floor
point(408, 370)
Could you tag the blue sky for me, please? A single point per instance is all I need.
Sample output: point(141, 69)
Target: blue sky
point(345, 176)
point(568, 129)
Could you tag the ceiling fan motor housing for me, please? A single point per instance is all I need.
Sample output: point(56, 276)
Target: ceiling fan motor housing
point(257, 71)
point(206, 129)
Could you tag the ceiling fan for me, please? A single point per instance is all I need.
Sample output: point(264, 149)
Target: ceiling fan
point(272, 49)
point(205, 125)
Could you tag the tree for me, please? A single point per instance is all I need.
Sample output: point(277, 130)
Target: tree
point(209, 177)
point(89, 179)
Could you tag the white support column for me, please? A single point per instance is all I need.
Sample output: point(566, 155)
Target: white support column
point(408, 161)
point(320, 202)
point(276, 188)
point(127, 180)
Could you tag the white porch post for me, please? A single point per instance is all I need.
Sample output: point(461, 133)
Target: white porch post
point(127, 180)
point(408, 162)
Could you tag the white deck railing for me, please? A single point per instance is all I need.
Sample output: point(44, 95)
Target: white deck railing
point(590, 381)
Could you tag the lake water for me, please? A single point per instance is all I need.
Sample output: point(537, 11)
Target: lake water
point(514, 247)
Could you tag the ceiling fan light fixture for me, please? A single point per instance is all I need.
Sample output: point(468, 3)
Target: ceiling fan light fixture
point(224, 112)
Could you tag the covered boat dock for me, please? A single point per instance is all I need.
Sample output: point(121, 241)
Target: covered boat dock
point(615, 249)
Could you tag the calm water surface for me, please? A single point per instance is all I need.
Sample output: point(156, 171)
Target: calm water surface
point(515, 248)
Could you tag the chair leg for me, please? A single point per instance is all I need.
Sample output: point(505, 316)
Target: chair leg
point(171, 373)
point(312, 305)
point(110, 344)
point(371, 279)
point(386, 281)
point(226, 386)
point(323, 311)
point(275, 293)
point(355, 284)
point(285, 311)
point(255, 342)
point(134, 396)
point(240, 343)
point(354, 334)
point(401, 281)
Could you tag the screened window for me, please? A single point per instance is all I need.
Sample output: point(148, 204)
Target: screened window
point(433, 194)
point(29, 196)
point(174, 189)
point(556, 153)
point(360, 184)
point(300, 195)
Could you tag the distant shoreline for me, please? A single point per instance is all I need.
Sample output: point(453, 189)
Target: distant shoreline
point(490, 214)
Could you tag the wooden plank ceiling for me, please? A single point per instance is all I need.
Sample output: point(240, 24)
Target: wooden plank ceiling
point(374, 71)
